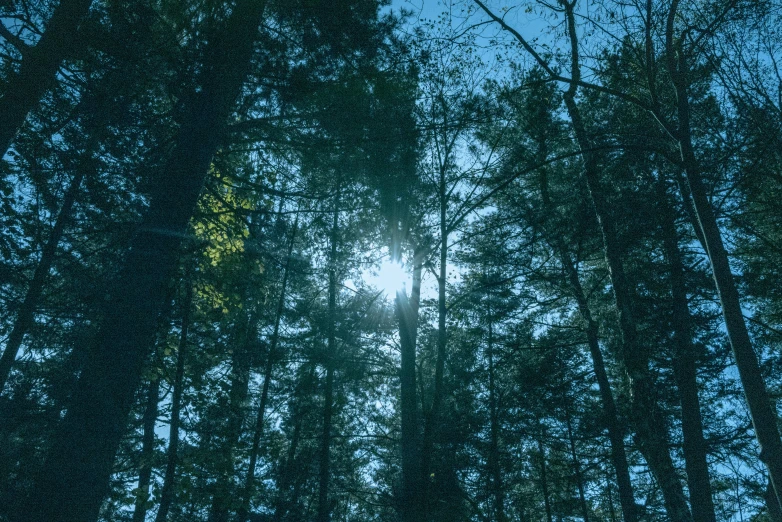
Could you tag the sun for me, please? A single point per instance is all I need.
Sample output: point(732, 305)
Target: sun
point(390, 277)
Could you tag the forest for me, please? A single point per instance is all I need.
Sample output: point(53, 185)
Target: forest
point(393, 261)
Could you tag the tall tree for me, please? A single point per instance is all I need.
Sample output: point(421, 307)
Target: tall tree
point(85, 444)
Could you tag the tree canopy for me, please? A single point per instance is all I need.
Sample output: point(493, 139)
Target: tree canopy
point(393, 261)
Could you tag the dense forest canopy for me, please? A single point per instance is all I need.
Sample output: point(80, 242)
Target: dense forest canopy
point(415, 261)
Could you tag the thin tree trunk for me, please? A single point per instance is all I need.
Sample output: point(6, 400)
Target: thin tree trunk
point(39, 68)
point(611, 417)
point(77, 467)
point(26, 314)
point(222, 498)
point(267, 376)
point(544, 480)
point(432, 417)
point(407, 314)
point(685, 370)
point(764, 418)
point(169, 479)
point(147, 450)
point(576, 463)
point(324, 505)
point(648, 419)
point(282, 503)
point(494, 429)
point(285, 476)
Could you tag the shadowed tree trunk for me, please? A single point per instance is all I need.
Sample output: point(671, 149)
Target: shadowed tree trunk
point(764, 418)
point(75, 476)
point(324, 504)
point(576, 464)
point(26, 314)
point(407, 314)
point(147, 450)
point(39, 68)
point(610, 415)
point(685, 369)
point(267, 376)
point(222, 498)
point(169, 478)
point(544, 479)
point(494, 429)
point(282, 502)
point(432, 416)
point(772, 504)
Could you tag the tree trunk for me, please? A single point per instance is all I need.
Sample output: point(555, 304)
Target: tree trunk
point(611, 417)
point(26, 314)
point(494, 429)
point(614, 426)
point(267, 376)
point(324, 505)
point(432, 417)
point(544, 480)
point(223, 495)
point(685, 370)
point(282, 503)
point(39, 68)
point(77, 467)
point(407, 315)
point(762, 413)
point(147, 451)
point(648, 419)
point(772, 504)
point(167, 491)
point(576, 463)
